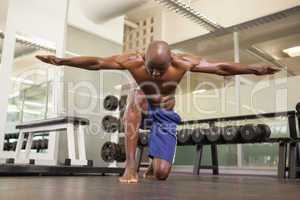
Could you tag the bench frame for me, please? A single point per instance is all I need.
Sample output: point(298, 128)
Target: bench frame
point(75, 133)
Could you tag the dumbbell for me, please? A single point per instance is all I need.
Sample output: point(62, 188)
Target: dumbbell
point(121, 153)
point(248, 133)
point(34, 144)
point(11, 136)
point(214, 134)
point(255, 133)
point(143, 138)
point(13, 146)
point(198, 135)
point(6, 146)
point(110, 124)
point(123, 102)
point(39, 144)
point(109, 151)
point(121, 128)
point(44, 144)
point(264, 131)
point(110, 103)
point(231, 134)
point(184, 136)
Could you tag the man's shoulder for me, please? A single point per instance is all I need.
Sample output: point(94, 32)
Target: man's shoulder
point(131, 60)
point(134, 53)
point(184, 61)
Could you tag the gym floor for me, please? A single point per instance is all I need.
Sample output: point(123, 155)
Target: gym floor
point(178, 186)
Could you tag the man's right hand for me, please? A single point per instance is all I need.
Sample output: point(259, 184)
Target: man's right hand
point(50, 59)
point(263, 69)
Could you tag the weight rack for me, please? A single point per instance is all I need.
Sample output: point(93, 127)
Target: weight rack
point(291, 143)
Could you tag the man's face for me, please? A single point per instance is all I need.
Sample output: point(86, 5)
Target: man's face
point(156, 70)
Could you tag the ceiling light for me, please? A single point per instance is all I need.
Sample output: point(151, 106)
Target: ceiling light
point(199, 91)
point(293, 51)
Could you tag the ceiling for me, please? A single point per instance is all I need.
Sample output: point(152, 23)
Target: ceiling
point(271, 37)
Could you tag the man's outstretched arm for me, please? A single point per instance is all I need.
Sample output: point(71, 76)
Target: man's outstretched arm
point(195, 64)
point(118, 62)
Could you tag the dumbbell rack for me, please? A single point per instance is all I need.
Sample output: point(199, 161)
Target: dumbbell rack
point(291, 143)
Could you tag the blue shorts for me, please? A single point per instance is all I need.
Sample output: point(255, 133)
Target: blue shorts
point(162, 139)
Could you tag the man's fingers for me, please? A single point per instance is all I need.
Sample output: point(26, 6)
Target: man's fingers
point(274, 70)
point(48, 59)
point(43, 58)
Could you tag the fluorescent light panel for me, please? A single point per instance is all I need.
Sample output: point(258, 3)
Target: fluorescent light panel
point(199, 91)
point(293, 51)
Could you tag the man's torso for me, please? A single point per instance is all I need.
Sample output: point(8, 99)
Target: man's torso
point(157, 91)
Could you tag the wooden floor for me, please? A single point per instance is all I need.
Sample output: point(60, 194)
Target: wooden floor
point(178, 186)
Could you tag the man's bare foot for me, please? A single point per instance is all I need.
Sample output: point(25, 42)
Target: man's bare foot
point(149, 174)
point(130, 176)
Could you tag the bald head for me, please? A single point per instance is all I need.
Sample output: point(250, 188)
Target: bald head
point(158, 57)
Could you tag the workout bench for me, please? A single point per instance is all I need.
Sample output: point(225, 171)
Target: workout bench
point(70, 124)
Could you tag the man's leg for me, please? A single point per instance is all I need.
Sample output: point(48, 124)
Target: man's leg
point(137, 103)
point(159, 169)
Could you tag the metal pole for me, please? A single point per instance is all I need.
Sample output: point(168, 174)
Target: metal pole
point(237, 85)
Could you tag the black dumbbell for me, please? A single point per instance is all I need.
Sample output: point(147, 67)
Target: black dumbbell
point(34, 144)
point(110, 124)
point(123, 102)
point(231, 134)
point(6, 146)
point(214, 134)
point(44, 144)
point(11, 136)
point(13, 146)
point(110, 102)
point(109, 151)
point(121, 153)
point(249, 133)
point(184, 136)
point(198, 135)
point(264, 131)
point(143, 139)
point(255, 133)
